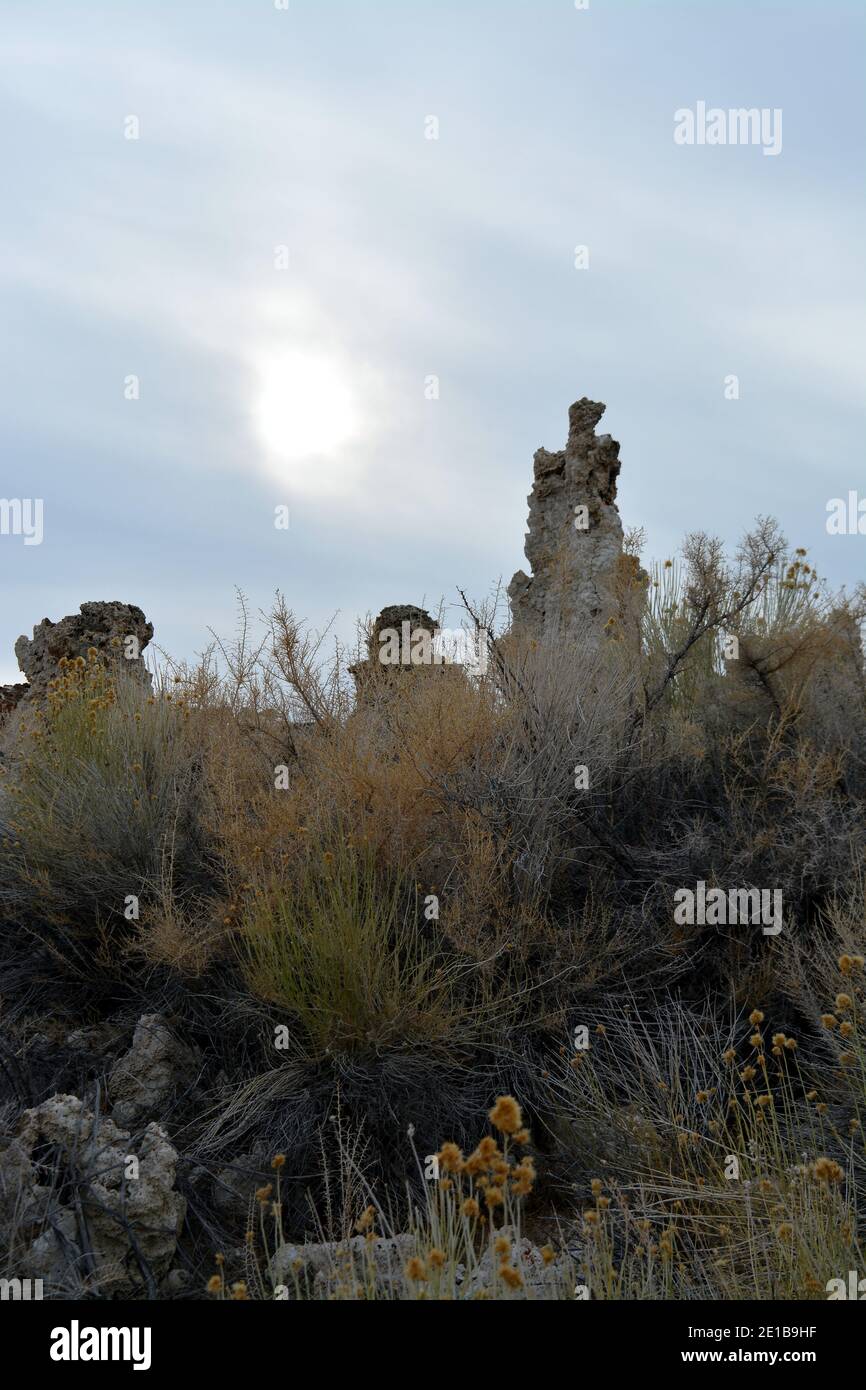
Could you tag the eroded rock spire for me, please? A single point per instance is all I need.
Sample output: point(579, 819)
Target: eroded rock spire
point(582, 585)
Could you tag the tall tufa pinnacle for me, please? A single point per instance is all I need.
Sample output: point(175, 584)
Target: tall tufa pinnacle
point(581, 581)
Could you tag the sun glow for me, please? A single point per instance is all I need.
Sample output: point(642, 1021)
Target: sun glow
point(307, 410)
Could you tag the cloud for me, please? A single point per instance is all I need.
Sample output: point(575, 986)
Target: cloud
point(406, 258)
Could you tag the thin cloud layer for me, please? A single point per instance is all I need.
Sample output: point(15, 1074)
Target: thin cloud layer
point(321, 307)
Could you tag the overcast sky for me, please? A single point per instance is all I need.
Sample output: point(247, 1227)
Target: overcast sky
point(283, 258)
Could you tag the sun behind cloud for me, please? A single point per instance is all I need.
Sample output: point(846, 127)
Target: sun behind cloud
point(307, 415)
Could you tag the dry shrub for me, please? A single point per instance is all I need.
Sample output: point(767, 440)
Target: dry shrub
point(103, 781)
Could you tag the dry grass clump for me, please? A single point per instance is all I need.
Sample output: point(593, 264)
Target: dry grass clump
point(733, 1160)
point(340, 950)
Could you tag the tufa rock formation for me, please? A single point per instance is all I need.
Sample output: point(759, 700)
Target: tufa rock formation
point(64, 1179)
point(104, 626)
point(582, 585)
point(324, 1268)
point(10, 696)
point(395, 627)
point(347, 1267)
point(155, 1069)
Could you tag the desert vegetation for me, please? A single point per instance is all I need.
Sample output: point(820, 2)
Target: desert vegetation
point(400, 990)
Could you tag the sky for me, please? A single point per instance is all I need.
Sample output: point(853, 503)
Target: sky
point(322, 258)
